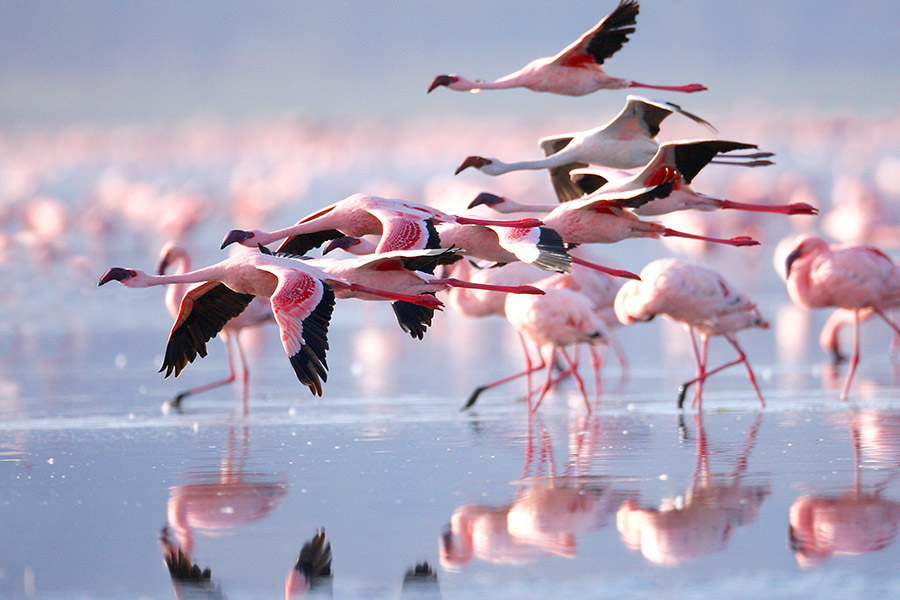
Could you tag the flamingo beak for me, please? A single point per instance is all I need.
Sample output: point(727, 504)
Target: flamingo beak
point(115, 274)
point(442, 80)
point(472, 161)
point(486, 199)
point(342, 242)
point(235, 236)
point(794, 255)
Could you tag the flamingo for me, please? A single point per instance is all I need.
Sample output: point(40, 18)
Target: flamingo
point(577, 70)
point(628, 141)
point(302, 299)
point(680, 162)
point(602, 218)
point(258, 312)
point(406, 272)
point(700, 299)
point(403, 225)
point(857, 278)
point(312, 570)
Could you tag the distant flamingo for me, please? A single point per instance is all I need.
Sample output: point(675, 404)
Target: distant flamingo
point(680, 162)
point(851, 277)
point(576, 70)
point(602, 218)
point(554, 321)
point(302, 300)
point(700, 299)
point(259, 311)
point(628, 141)
point(403, 225)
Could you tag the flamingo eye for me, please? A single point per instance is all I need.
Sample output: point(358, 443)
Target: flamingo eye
point(250, 235)
point(132, 273)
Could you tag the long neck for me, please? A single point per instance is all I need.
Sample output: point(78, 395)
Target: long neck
point(464, 85)
point(212, 273)
point(175, 293)
point(548, 162)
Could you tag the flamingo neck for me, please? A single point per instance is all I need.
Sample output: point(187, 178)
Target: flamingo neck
point(467, 85)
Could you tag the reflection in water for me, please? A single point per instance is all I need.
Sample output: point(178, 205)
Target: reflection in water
point(420, 581)
point(546, 514)
point(188, 580)
point(858, 519)
point(699, 522)
point(218, 503)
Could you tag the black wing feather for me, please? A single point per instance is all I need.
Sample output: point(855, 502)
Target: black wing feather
point(413, 318)
point(299, 245)
point(309, 362)
point(614, 31)
point(691, 157)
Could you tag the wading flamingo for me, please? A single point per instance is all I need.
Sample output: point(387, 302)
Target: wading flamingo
point(577, 70)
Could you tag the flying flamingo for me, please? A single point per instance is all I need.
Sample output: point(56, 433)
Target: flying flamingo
point(259, 311)
point(403, 225)
point(302, 299)
point(626, 142)
point(577, 70)
point(407, 272)
point(700, 299)
point(602, 218)
point(857, 278)
point(680, 162)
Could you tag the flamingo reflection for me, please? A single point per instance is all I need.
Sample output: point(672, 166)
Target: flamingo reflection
point(700, 522)
point(547, 513)
point(859, 519)
point(218, 504)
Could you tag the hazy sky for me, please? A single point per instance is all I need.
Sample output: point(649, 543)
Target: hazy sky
point(113, 61)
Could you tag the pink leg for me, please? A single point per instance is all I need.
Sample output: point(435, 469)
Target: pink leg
point(607, 270)
point(796, 208)
point(742, 358)
point(578, 381)
point(426, 300)
point(854, 360)
point(750, 374)
point(510, 289)
point(245, 372)
point(698, 391)
point(741, 240)
point(526, 223)
point(529, 369)
point(176, 402)
point(687, 89)
point(596, 367)
point(549, 381)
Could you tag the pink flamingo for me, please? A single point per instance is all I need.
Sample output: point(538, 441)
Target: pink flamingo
point(258, 312)
point(403, 225)
point(408, 272)
point(628, 141)
point(856, 278)
point(602, 218)
point(302, 299)
point(577, 70)
point(700, 299)
point(680, 162)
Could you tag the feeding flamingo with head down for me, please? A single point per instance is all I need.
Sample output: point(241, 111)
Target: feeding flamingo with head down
point(857, 278)
point(302, 299)
point(577, 70)
point(700, 299)
point(628, 141)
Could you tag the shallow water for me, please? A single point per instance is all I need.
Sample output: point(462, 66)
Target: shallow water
point(636, 499)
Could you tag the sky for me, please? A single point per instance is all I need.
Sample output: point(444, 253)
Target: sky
point(145, 60)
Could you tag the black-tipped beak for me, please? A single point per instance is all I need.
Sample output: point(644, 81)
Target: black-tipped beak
point(794, 255)
point(235, 236)
point(115, 274)
point(442, 80)
point(342, 242)
point(486, 199)
point(472, 161)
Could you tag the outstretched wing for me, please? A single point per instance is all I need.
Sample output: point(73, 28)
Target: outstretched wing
point(204, 310)
point(605, 39)
point(303, 305)
point(691, 157)
point(627, 199)
point(405, 232)
point(559, 176)
point(299, 245)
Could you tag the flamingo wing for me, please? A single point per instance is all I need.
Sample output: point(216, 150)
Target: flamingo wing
point(600, 201)
point(650, 114)
point(691, 157)
point(303, 305)
point(299, 245)
point(605, 39)
point(559, 176)
point(401, 231)
point(204, 311)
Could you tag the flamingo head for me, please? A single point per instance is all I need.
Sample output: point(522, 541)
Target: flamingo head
point(473, 161)
point(488, 199)
point(247, 238)
point(444, 80)
point(344, 243)
point(170, 253)
point(127, 277)
point(804, 246)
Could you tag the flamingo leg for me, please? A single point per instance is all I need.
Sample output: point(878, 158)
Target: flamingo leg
point(741, 358)
point(687, 89)
point(578, 381)
point(796, 208)
point(176, 402)
point(596, 366)
point(698, 391)
point(750, 374)
point(549, 380)
point(854, 360)
point(510, 289)
point(245, 372)
point(529, 369)
point(607, 270)
point(741, 240)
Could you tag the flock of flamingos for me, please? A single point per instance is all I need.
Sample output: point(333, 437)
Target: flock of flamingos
point(530, 269)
